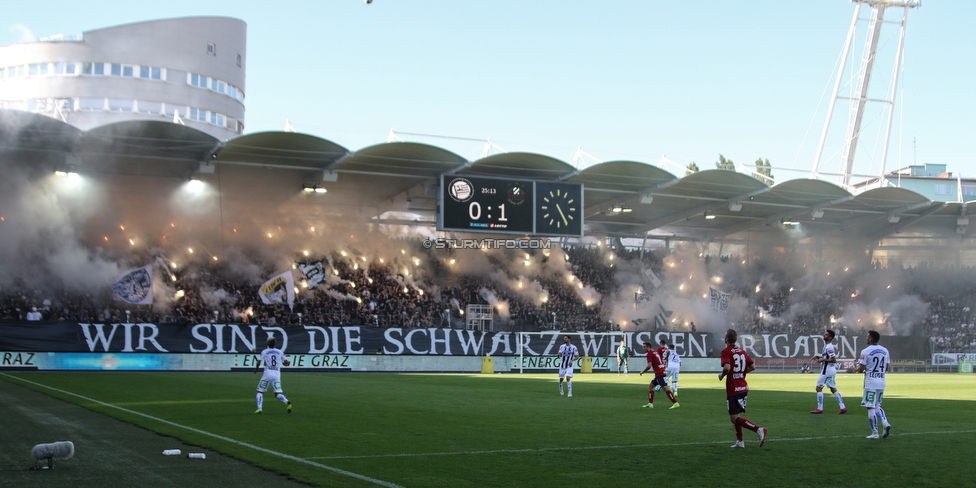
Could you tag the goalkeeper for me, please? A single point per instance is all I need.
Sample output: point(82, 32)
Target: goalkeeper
point(623, 356)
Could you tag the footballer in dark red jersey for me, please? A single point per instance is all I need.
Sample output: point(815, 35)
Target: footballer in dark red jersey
point(654, 361)
point(736, 363)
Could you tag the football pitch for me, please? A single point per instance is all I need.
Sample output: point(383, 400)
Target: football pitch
point(420, 430)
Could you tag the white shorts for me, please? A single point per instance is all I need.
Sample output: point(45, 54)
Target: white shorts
point(872, 398)
point(272, 378)
point(830, 381)
point(672, 373)
point(566, 372)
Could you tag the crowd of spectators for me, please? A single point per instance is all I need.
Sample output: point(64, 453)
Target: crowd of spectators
point(380, 294)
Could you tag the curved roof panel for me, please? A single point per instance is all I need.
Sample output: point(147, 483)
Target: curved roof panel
point(402, 158)
point(148, 139)
point(889, 198)
point(281, 149)
point(626, 176)
point(143, 148)
point(34, 138)
point(805, 193)
point(520, 165)
point(390, 174)
point(716, 184)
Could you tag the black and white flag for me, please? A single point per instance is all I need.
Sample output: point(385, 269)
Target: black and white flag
point(314, 273)
point(135, 287)
point(718, 300)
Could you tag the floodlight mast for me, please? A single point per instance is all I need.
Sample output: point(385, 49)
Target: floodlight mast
point(859, 101)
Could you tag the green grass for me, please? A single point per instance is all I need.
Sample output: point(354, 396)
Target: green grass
point(515, 430)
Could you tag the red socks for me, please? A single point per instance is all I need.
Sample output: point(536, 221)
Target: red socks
point(743, 422)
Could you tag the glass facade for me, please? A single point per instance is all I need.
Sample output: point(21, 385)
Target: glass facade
point(117, 69)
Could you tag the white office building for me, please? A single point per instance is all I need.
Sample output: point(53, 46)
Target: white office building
point(188, 70)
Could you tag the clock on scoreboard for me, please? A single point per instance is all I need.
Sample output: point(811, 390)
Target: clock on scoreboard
point(510, 206)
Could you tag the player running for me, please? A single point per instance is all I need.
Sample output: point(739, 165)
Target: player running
point(875, 361)
point(568, 354)
point(736, 363)
point(654, 361)
point(828, 374)
point(272, 358)
point(673, 369)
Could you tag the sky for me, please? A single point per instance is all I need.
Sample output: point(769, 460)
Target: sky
point(628, 80)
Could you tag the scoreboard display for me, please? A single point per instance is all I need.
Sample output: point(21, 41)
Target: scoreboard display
point(510, 206)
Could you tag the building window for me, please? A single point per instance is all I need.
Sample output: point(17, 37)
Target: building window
point(117, 105)
point(172, 110)
point(91, 104)
point(943, 188)
point(37, 105)
point(198, 80)
point(144, 72)
point(156, 73)
point(198, 114)
point(968, 190)
point(211, 48)
point(238, 60)
point(116, 69)
point(127, 71)
point(69, 69)
point(153, 108)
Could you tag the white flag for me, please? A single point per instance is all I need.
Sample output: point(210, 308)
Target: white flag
point(655, 280)
point(314, 273)
point(718, 300)
point(135, 287)
point(279, 289)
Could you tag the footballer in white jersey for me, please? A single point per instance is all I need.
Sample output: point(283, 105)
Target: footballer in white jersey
point(568, 354)
point(273, 359)
point(673, 370)
point(828, 373)
point(875, 361)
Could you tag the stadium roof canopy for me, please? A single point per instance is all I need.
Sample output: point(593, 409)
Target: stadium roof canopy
point(398, 182)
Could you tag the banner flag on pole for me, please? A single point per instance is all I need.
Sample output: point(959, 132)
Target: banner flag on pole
point(279, 289)
point(135, 287)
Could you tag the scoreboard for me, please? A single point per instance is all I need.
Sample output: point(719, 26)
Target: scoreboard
point(510, 206)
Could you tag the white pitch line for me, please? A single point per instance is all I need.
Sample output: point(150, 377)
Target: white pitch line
point(589, 448)
point(217, 436)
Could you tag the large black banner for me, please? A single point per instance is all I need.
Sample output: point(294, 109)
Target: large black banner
point(240, 338)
